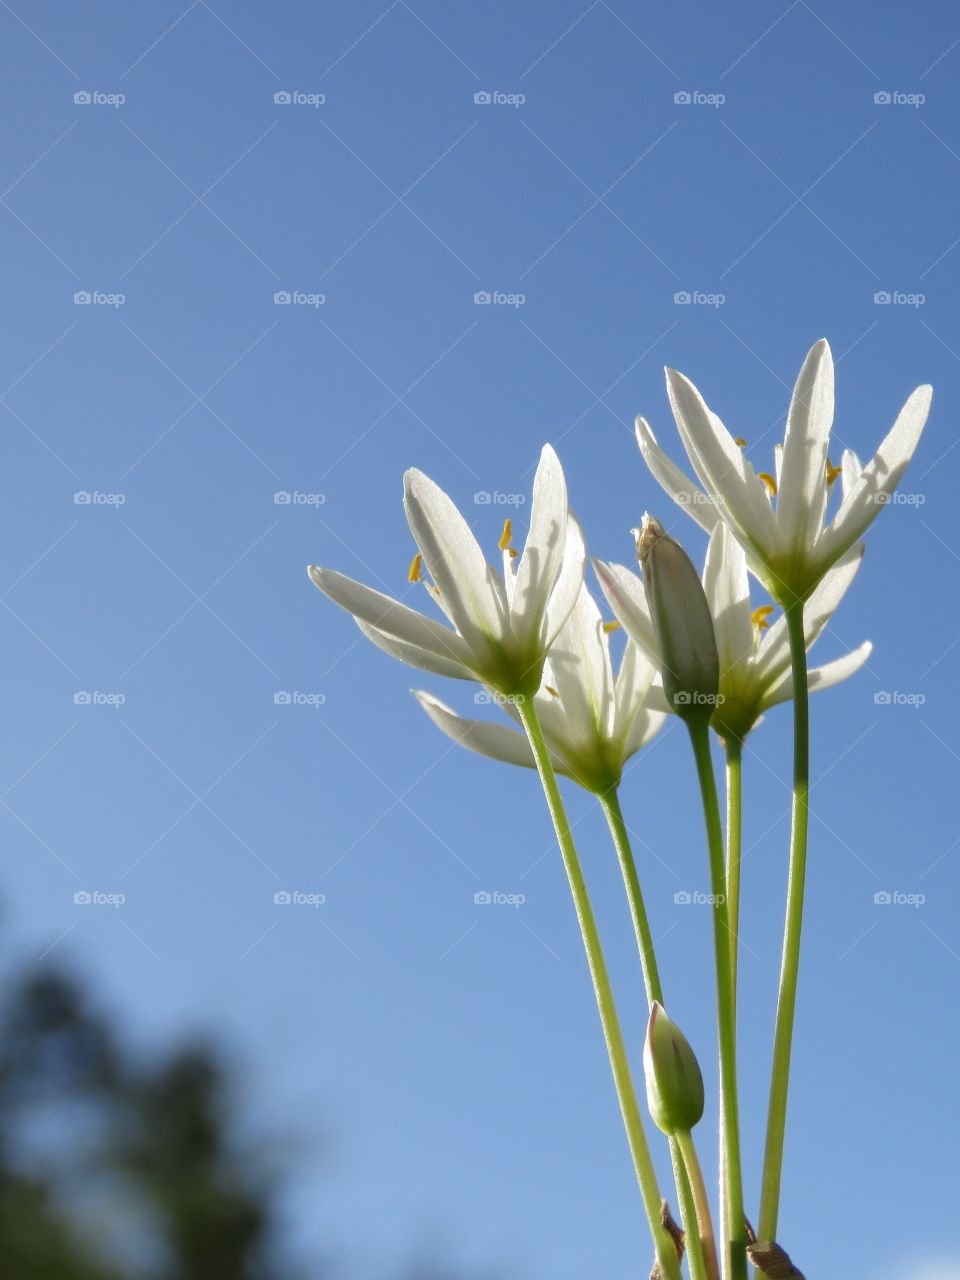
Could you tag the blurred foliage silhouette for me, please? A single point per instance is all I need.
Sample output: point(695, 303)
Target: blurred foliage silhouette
point(114, 1168)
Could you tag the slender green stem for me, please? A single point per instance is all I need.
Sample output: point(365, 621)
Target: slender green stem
point(790, 962)
point(735, 1262)
point(610, 803)
point(612, 1034)
point(708, 1245)
point(734, 753)
point(734, 756)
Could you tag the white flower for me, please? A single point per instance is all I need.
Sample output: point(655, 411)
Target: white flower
point(503, 625)
point(788, 546)
point(593, 720)
point(755, 670)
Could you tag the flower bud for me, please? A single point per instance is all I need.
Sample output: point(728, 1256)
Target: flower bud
point(674, 1082)
point(690, 666)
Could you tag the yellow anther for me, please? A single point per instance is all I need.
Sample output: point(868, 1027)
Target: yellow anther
point(553, 693)
point(768, 483)
point(416, 565)
point(740, 441)
point(833, 472)
point(612, 626)
point(507, 536)
point(759, 616)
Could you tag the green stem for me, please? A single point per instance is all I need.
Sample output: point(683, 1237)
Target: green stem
point(612, 1034)
point(790, 962)
point(735, 1262)
point(610, 803)
point(734, 756)
point(734, 753)
point(708, 1245)
point(689, 1212)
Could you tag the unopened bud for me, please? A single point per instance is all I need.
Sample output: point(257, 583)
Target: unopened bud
point(674, 1082)
point(690, 665)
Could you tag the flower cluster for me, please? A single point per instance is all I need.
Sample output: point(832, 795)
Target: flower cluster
point(696, 647)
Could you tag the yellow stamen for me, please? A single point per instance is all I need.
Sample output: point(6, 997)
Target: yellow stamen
point(768, 483)
point(833, 472)
point(612, 626)
point(507, 536)
point(416, 565)
point(553, 693)
point(759, 616)
point(740, 441)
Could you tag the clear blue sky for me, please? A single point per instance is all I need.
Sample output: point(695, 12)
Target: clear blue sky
point(451, 1051)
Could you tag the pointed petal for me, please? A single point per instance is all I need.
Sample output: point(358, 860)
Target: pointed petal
point(684, 492)
point(543, 552)
point(721, 465)
point(567, 586)
point(482, 736)
point(626, 597)
point(413, 655)
point(803, 482)
point(389, 615)
point(578, 668)
point(727, 587)
point(468, 585)
point(633, 682)
point(879, 477)
point(820, 677)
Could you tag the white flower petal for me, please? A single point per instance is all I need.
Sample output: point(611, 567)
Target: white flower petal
point(879, 478)
point(626, 597)
point(671, 479)
point(543, 552)
point(636, 675)
point(819, 677)
point(721, 465)
point(578, 668)
point(472, 596)
point(802, 480)
point(850, 471)
point(413, 655)
point(567, 586)
point(389, 615)
point(728, 591)
point(482, 736)
point(645, 727)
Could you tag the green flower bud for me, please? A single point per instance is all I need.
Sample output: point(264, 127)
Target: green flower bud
point(690, 666)
point(674, 1082)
